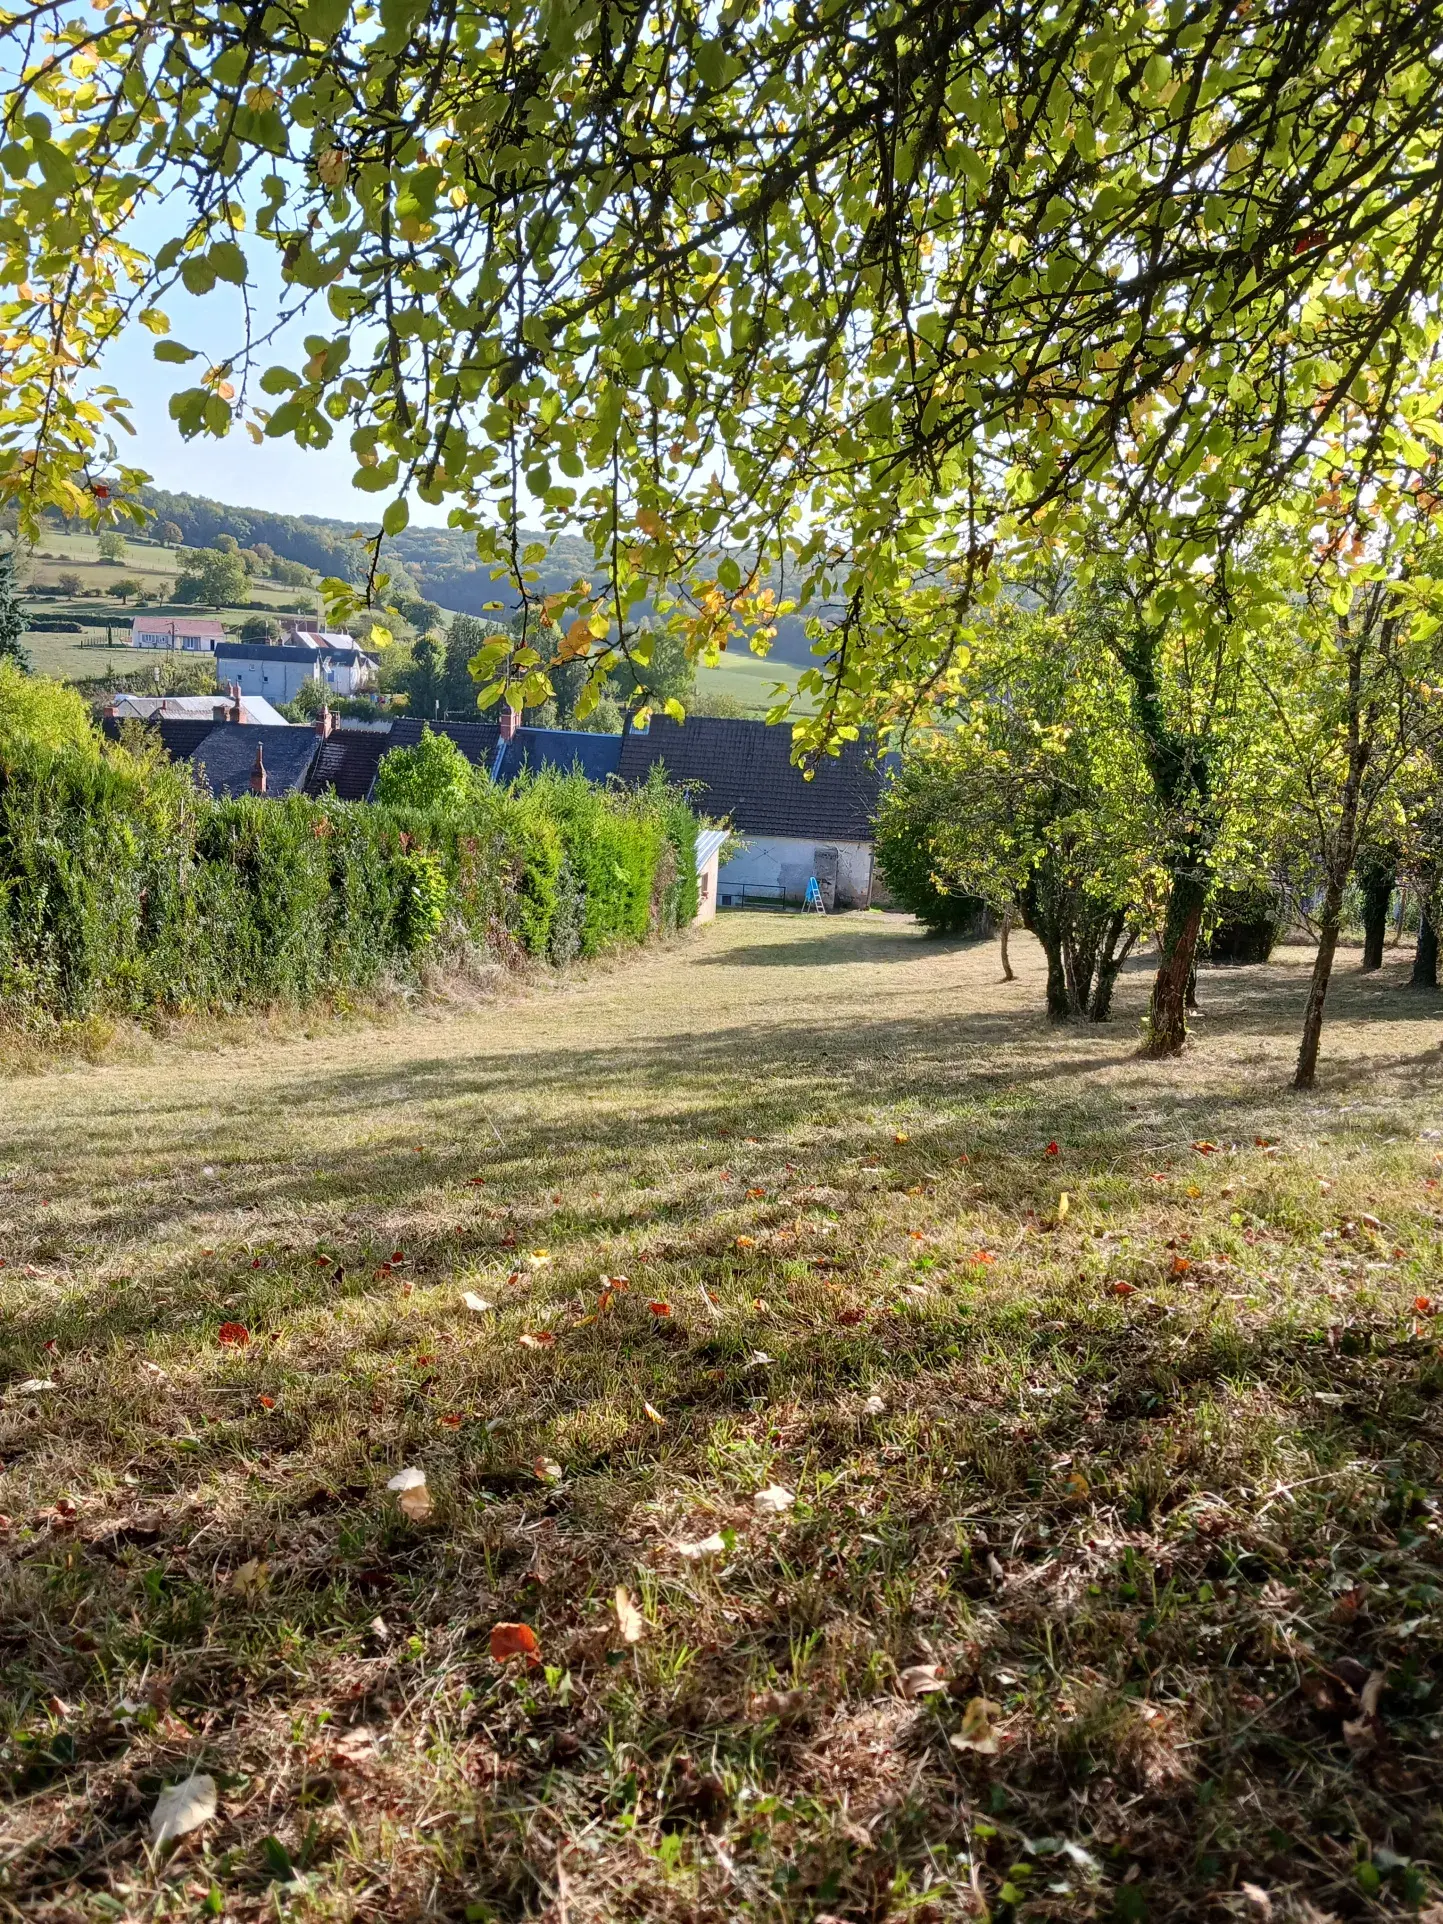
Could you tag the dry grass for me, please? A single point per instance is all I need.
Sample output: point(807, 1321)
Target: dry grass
point(1157, 1480)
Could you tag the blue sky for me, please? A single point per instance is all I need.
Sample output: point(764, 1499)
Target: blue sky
point(277, 475)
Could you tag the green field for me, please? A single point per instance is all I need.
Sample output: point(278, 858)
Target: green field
point(951, 1467)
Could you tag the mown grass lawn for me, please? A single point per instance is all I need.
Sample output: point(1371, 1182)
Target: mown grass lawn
point(1110, 1586)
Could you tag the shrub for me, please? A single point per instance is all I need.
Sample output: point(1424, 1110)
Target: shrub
point(125, 890)
point(1246, 923)
point(433, 774)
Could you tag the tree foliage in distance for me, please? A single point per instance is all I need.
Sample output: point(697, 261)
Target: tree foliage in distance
point(210, 578)
point(1036, 801)
point(869, 290)
point(110, 544)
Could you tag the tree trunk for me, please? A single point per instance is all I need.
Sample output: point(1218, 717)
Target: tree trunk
point(1192, 982)
point(1377, 895)
point(1109, 967)
point(1425, 958)
point(1318, 987)
point(1167, 1013)
point(1059, 1002)
point(1008, 973)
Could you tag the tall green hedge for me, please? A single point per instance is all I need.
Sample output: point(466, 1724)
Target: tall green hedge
point(125, 890)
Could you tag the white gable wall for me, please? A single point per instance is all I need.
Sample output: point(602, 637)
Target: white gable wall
point(786, 862)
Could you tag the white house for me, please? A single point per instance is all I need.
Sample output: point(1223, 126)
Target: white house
point(788, 828)
point(280, 671)
point(188, 633)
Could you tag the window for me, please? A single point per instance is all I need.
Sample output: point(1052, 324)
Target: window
point(705, 885)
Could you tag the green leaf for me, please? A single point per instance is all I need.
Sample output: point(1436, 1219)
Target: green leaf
point(173, 351)
point(278, 1860)
point(229, 262)
point(397, 516)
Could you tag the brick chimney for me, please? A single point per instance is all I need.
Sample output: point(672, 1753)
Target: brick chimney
point(510, 722)
point(237, 706)
point(258, 773)
point(325, 722)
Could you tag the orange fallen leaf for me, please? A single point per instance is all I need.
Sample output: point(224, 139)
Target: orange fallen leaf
point(1423, 1305)
point(266, 1402)
point(900, 1135)
point(659, 1308)
point(233, 1336)
point(983, 1256)
point(514, 1640)
point(756, 1193)
point(746, 1242)
point(451, 1421)
point(1180, 1265)
point(655, 1414)
point(1206, 1148)
point(536, 1339)
point(1123, 1289)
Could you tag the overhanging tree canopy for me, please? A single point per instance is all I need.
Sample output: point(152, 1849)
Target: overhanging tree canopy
point(867, 287)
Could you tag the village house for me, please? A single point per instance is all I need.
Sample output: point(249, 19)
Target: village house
point(280, 670)
point(187, 634)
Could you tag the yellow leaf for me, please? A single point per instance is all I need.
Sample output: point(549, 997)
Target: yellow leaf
point(977, 1732)
point(1064, 1203)
point(629, 1620)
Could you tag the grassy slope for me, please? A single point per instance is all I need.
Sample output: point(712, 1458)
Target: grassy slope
point(1157, 1481)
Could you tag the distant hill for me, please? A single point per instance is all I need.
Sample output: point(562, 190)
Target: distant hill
point(440, 561)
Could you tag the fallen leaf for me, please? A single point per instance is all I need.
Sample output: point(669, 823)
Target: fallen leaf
point(977, 1732)
point(514, 1640)
point(629, 1620)
point(659, 1308)
point(1205, 1148)
point(538, 1258)
point(181, 1808)
point(1052, 1150)
point(266, 1402)
point(852, 1316)
point(1077, 1486)
point(478, 1305)
point(1120, 1288)
point(450, 1421)
point(548, 1469)
point(922, 1679)
point(477, 1182)
point(1258, 1900)
point(757, 1195)
point(773, 1500)
point(251, 1578)
point(900, 1135)
point(746, 1242)
point(33, 1384)
point(1064, 1203)
point(536, 1339)
point(1423, 1305)
point(983, 1256)
point(412, 1496)
point(233, 1336)
point(712, 1546)
point(874, 1406)
point(1180, 1265)
point(655, 1414)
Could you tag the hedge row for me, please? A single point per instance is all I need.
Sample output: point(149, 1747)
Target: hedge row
point(124, 890)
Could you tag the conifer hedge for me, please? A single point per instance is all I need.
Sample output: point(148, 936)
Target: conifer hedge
point(126, 890)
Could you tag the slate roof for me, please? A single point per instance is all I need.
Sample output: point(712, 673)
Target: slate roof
point(227, 755)
point(743, 770)
point(347, 763)
point(529, 748)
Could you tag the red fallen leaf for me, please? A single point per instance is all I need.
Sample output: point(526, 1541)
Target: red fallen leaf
point(384, 1270)
point(1180, 1265)
point(324, 1261)
point(1122, 1289)
point(851, 1316)
point(233, 1335)
point(1423, 1305)
point(255, 1262)
point(516, 1277)
point(1052, 1150)
point(514, 1640)
point(396, 1257)
point(423, 1361)
point(508, 1241)
point(659, 1309)
point(964, 1159)
point(450, 1421)
point(6, 1525)
point(52, 1348)
point(1155, 1177)
point(757, 1195)
point(266, 1402)
point(477, 1182)
point(536, 1339)
point(1264, 1142)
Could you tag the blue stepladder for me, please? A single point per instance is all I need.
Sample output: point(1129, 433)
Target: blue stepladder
point(813, 900)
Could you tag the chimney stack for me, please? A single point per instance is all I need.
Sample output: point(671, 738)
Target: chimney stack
point(510, 722)
point(258, 773)
point(325, 722)
point(237, 706)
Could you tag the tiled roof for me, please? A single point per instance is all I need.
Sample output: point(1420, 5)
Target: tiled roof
point(743, 770)
point(530, 748)
point(347, 763)
point(227, 756)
